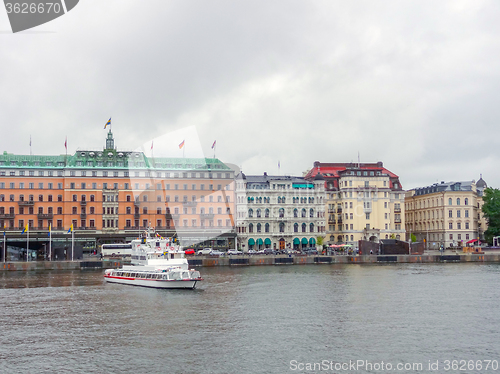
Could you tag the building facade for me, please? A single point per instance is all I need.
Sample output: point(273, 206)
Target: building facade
point(364, 201)
point(279, 212)
point(448, 214)
point(113, 195)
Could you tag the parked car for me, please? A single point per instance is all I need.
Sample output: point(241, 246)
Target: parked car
point(215, 252)
point(205, 251)
point(310, 251)
point(269, 251)
point(234, 252)
point(189, 251)
point(252, 252)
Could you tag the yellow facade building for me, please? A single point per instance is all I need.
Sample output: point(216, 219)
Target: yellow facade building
point(364, 201)
point(447, 214)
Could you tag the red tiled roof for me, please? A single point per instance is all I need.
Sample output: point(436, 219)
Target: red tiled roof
point(334, 168)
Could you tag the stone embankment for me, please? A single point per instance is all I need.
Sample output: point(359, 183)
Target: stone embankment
point(260, 260)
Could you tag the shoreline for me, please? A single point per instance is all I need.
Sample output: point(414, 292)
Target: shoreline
point(264, 260)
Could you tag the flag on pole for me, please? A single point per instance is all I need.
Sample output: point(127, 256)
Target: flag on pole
point(213, 145)
point(4, 224)
point(25, 229)
point(151, 144)
point(108, 123)
point(70, 229)
point(278, 164)
point(50, 229)
point(181, 145)
point(30, 140)
point(66, 143)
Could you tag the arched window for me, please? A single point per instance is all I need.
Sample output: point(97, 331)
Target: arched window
point(267, 227)
point(304, 227)
point(295, 212)
point(250, 213)
point(281, 212)
point(259, 227)
point(303, 212)
point(450, 202)
point(267, 213)
point(282, 227)
point(311, 227)
point(279, 199)
point(250, 227)
point(258, 213)
point(466, 201)
point(283, 199)
point(311, 213)
point(458, 201)
point(295, 227)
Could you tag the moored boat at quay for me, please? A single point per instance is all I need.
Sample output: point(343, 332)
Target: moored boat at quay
point(156, 263)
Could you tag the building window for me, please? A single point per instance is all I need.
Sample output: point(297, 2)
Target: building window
point(450, 201)
point(450, 225)
point(466, 225)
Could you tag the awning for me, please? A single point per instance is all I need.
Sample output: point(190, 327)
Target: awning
point(304, 241)
point(312, 241)
point(251, 241)
point(267, 241)
point(296, 241)
point(472, 241)
point(259, 241)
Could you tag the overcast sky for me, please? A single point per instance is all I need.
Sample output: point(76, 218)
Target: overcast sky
point(414, 84)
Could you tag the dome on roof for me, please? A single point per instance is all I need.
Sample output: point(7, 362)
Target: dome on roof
point(319, 177)
point(241, 175)
point(481, 183)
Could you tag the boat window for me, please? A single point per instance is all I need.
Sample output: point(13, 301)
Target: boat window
point(195, 274)
point(176, 275)
point(185, 275)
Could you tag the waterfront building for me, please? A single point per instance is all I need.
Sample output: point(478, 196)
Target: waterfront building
point(448, 214)
point(364, 201)
point(111, 196)
point(279, 212)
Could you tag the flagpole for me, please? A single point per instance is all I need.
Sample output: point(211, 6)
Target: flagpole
point(72, 244)
point(28, 244)
point(4, 246)
point(50, 244)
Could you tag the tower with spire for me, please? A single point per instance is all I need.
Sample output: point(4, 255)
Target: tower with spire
point(110, 141)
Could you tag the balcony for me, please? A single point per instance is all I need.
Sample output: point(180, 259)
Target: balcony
point(26, 203)
point(83, 203)
point(137, 215)
point(339, 221)
point(168, 216)
point(332, 221)
point(45, 216)
point(339, 210)
point(189, 203)
point(397, 210)
point(206, 216)
point(83, 215)
point(397, 220)
point(7, 216)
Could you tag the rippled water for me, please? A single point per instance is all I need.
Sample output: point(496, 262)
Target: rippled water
point(269, 319)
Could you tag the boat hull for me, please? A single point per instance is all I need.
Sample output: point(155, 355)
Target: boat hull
point(154, 283)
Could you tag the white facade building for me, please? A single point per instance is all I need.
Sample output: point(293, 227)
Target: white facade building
point(279, 212)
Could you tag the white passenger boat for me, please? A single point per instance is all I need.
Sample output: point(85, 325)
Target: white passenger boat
point(157, 264)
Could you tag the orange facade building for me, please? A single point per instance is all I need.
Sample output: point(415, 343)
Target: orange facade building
point(112, 196)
